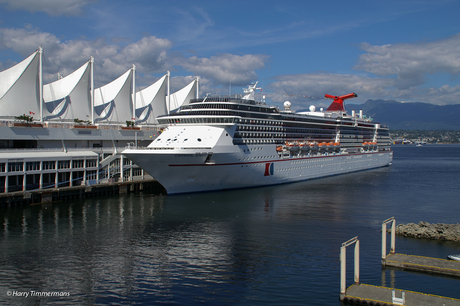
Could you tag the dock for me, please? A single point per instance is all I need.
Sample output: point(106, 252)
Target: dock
point(364, 294)
point(423, 264)
point(45, 196)
point(375, 295)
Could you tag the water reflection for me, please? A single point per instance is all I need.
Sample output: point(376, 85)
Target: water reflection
point(124, 247)
point(5, 226)
point(274, 245)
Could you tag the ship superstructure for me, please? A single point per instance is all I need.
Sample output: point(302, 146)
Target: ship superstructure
point(217, 143)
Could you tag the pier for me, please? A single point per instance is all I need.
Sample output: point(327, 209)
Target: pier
point(51, 195)
point(424, 264)
point(364, 294)
point(415, 262)
point(375, 295)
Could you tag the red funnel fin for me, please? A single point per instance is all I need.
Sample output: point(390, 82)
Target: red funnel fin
point(337, 104)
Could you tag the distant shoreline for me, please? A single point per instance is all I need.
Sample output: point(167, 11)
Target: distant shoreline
point(425, 136)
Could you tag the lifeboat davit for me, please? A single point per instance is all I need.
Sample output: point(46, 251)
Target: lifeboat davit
point(293, 145)
point(304, 146)
point(313, 146)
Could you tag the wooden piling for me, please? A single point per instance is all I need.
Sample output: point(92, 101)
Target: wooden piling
point(76, 192)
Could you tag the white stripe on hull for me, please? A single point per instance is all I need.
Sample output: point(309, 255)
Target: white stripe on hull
point(185, 173)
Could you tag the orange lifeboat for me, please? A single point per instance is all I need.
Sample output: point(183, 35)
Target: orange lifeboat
point(304, 146)
point(292, 145)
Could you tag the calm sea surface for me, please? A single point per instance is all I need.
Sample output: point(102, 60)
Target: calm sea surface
point(264, 246)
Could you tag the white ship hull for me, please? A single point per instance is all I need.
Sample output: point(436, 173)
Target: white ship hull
point(181, 172)
point(218, 143)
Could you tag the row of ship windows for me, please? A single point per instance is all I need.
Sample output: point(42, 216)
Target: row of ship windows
point(306, 135)
point(267, 125)
point(317, 136)
point(258, 157)
point(257, 114)
point(230, 107)
point(284, 135)
point(198, 120)
point(306, 161)
point(220, 120)
point(47, 165)
point(290, 122)
point(311, 129)
point(306, 164)
point(319, 164)
point(282, 141)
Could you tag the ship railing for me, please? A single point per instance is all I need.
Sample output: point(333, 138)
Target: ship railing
point(234, 98)
point(94, 149)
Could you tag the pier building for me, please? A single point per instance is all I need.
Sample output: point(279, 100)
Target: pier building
point(68, 133)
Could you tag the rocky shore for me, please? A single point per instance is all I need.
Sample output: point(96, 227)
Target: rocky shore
point(439, 231)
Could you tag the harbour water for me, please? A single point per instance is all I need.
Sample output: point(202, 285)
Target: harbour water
point(263, 246)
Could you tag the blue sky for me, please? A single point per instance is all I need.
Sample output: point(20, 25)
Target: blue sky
point(296, 50)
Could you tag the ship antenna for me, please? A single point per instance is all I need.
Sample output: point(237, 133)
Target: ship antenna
point(250, 91)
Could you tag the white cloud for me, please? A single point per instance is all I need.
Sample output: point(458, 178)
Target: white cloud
point(51, 7)
point(444, 95)
point(179, 82)
point(150, 54)
point(305, 88)
point(225, 69)
point(25, 41)
point(111, 60)
point(412, 62)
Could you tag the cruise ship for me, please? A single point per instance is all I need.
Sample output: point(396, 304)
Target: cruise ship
point(219, 143)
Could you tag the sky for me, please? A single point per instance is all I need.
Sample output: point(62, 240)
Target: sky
point(408, 51)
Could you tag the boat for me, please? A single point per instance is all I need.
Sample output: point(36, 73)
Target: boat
point(231, 142)
point(454, 257)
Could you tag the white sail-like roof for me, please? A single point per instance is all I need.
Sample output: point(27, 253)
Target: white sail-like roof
point(19, 88)
point(69, 98)
point(151, 102)
point(183, 96)
point(113, 102)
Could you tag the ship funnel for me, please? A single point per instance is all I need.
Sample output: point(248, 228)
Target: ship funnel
point(337, 104)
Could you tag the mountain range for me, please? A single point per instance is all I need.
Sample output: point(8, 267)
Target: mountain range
point(410, 115)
